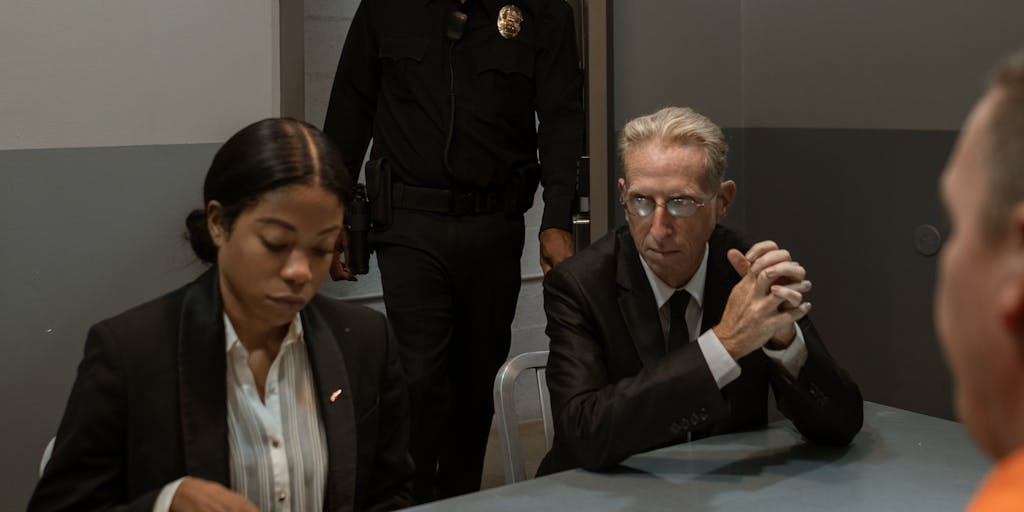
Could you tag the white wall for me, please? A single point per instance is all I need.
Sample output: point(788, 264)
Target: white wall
point(133, 72)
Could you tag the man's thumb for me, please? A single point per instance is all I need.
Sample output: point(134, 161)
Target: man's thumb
point(738, 261)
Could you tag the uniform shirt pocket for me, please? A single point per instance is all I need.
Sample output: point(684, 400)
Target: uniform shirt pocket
point(400, 57)
point(505, 69)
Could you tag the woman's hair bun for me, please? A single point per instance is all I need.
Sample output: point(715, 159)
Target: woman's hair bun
point(198, 236)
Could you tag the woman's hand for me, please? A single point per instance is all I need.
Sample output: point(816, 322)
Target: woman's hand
point(198, 495)
point(339, 268)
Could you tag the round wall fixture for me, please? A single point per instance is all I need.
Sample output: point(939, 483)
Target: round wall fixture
point(927, 239)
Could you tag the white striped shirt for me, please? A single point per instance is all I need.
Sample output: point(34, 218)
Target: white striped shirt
point(277, 446)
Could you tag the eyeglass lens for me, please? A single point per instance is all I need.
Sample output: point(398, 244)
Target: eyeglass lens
point(678, 207)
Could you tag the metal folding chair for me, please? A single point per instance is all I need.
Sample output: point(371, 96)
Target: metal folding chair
point(505, 410)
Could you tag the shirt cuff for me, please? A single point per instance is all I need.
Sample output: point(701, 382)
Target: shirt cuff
point(557, 213)
point(793, 357)
point(723, 367)
point(166, 496)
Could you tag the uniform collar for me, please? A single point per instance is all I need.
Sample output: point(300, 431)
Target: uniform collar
point(494, 6)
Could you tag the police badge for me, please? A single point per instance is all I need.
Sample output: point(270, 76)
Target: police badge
point(510, 19)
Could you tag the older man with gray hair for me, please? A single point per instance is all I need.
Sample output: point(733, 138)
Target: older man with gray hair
point(672, 329)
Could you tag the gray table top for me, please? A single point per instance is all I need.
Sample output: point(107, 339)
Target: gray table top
point(900, 461)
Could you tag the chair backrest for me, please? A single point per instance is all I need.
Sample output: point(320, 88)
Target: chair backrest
point(46, 455)
point(505, 410)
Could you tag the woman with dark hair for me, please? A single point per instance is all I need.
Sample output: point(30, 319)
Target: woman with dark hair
point(243, 390)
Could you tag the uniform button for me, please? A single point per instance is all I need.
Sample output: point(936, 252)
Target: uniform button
point(281, 497)
point(275, 443)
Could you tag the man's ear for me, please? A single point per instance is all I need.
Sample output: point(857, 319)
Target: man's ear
point(1011, 296)
point(1011, 313)
point(726, 194)
point(1015, 227)
point(215, 223)
point(622, 189)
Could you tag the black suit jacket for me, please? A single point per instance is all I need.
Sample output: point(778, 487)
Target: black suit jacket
point(149, 405)
point(615, 391)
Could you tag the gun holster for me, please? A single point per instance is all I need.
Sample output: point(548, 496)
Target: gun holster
point(357, 226)
point(378, 193)
point(521, 188)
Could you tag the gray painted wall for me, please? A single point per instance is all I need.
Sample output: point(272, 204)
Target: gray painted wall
point(677, 52)
point(846, 203)
point(900, 65)
point(86, 234)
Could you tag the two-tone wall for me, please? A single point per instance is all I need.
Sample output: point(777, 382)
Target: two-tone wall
point(109, 115)
point(841, 116)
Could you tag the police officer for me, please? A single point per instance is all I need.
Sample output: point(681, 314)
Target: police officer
point(451, 93)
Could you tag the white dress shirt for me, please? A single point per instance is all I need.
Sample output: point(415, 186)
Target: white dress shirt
point(722, 365)
point(277, 446)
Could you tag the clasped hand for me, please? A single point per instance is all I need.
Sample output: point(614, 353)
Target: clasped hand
point(764, 306)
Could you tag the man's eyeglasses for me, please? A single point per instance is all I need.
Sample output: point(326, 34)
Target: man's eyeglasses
point(679, 207)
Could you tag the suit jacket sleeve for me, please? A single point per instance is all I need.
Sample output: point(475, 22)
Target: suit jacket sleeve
point(391, 485)
point(602, 419)
point(86, 469)
point(823, 401)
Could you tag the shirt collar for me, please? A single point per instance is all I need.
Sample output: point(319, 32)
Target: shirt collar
point(695, 286)
point(294, 334)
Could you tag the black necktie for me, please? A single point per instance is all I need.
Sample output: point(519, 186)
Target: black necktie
point(678, 332)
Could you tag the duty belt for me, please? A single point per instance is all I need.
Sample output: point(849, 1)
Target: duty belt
point(451, 202)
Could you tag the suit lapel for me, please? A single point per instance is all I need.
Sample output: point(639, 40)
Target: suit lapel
point(721, 277)
point(202, 371)
point(335, 399)
point(636, 301)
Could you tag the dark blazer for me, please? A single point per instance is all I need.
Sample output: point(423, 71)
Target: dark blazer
point(615, 391)
point(149, 405)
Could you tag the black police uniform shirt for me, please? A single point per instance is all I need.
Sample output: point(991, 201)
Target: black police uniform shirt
point(399, 68)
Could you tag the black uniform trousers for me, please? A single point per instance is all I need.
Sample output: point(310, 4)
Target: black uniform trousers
point(450, 288)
